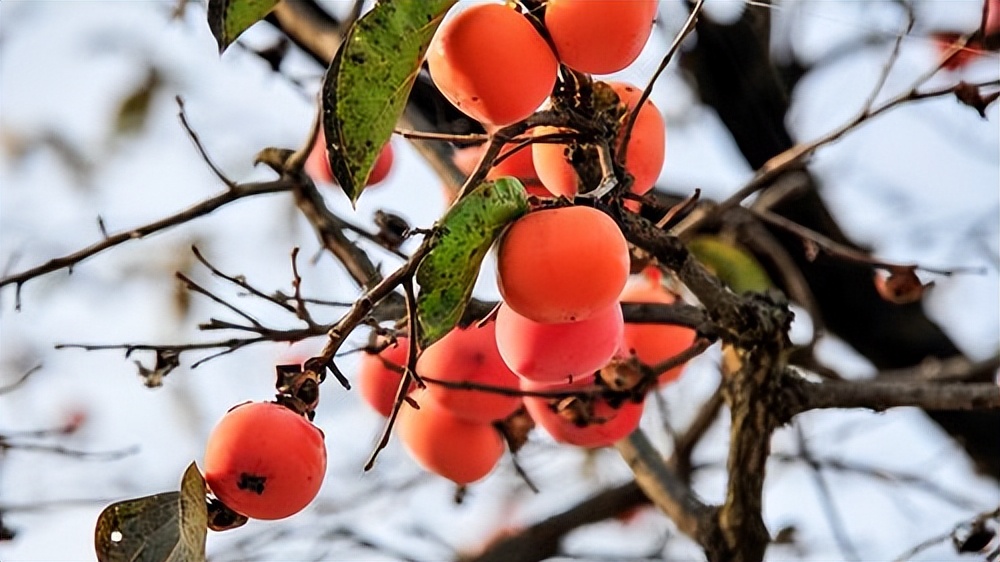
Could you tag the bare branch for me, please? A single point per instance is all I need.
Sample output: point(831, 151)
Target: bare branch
point(847, 253)
point(201, 148)
point(668, 492)
point(686, 442)
point(239, 281)
point(881, 395)
point(686, 30)
point(198, 210)
point(836, 521)
point(796, 155)
point(330, 229)
point(975, 522)
point(6, 445)
point(20, 381)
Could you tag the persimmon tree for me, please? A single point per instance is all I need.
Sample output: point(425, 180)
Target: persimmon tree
point(608, 287)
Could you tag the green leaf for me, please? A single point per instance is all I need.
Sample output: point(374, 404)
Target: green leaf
point(169, 527)
point(229, 18)
point(732, 264)
point(369, 81)
point(463, 236)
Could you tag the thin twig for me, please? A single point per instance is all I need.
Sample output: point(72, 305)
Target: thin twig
point(409, 373)
point(689, 26)
point(182, 113)
point(661, 485)
point(833, 516)
point(697, 347)
point(795, 155)
point(20, 381)
point(679, 210)
point(445, 137)
point(198, 210)
point(847, 253)
point(686, 442)
point(239, 281)
point(893, 57)
point(6, 446)
point(300, 305)
point(977, 520)
point(190, 285)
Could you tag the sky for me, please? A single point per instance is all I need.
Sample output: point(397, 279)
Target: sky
point(921, 184)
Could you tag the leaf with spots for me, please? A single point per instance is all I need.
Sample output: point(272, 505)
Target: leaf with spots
point(736, 267)
point(168, 527)
point(369, 81)
point(462, 238)
point(229, 18)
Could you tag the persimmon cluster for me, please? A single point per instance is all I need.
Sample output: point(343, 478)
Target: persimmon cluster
point(493, 63)
point(559, 344)
point(452, 433)
point(563, 273)
point(555, 348)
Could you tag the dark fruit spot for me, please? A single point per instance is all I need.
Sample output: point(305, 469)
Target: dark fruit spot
point(251, 482)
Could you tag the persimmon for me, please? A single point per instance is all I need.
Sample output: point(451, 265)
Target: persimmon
point(562, 265)
point(584, 421)
point(599, 36)
point(492, 64)
point(379, 376)
point(653, 343)
point(265, 461)
point(470, 355)
point(517, 164)
point(317, 164)
point(552, 353)
point(643, 160)
point(445, 444)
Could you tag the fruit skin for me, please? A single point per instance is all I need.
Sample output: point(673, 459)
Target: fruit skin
point(265, 461)
point(317, 164)
point(553, 353)
point(600, 424)
point(644, 158)
point(442, 443)
point(490, 62)
point(599, 36)
point(515, 163)
point(519, 165)
point(470, 355)
point(562, 265)
point(377, 382)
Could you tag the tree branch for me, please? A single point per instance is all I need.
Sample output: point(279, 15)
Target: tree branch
point(198, 210)
point(881, 395)
point(664, 488)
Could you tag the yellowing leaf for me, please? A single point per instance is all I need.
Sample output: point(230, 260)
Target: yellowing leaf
point(168, 527)
point(735, 266)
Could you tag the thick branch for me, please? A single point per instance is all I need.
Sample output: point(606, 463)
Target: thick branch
point(663, 487)
point(880, 395)
point(750, 379)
